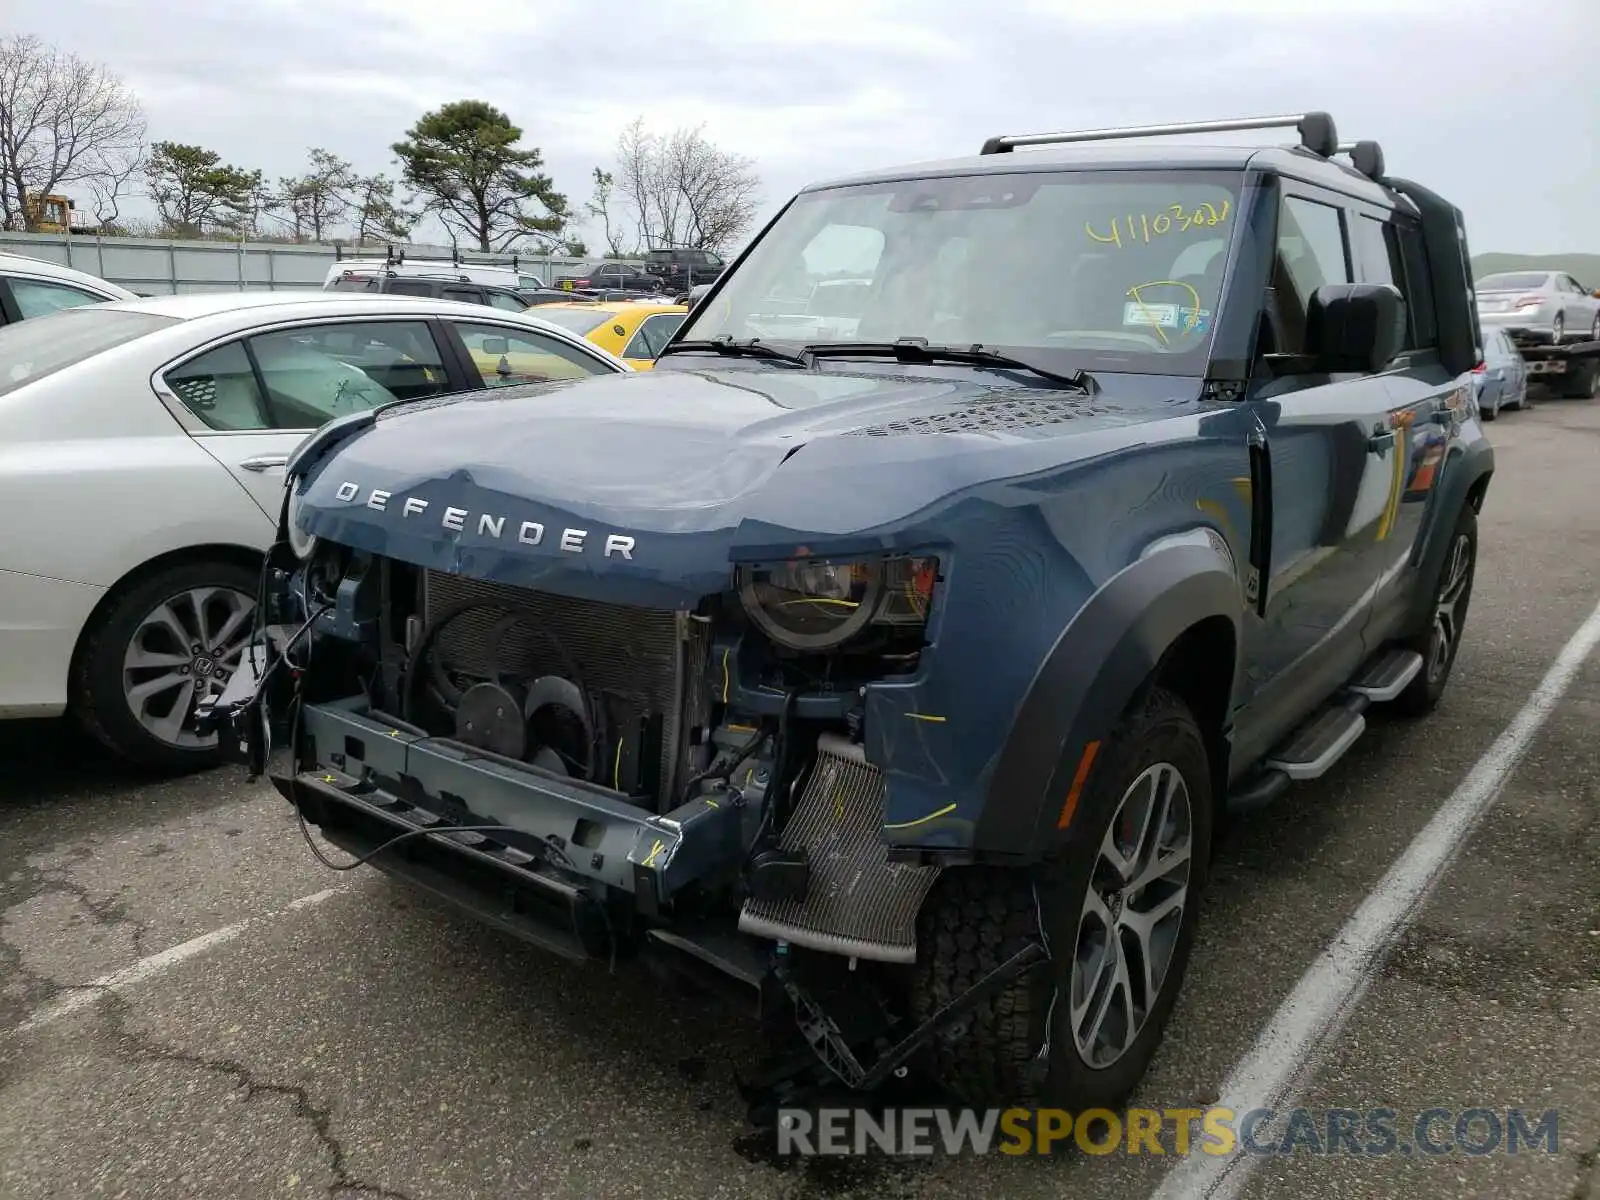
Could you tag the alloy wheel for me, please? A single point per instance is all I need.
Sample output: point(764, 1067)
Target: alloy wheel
point(1132, 914)
point(184, 651)
point(1447, 613)
point(1558, 330)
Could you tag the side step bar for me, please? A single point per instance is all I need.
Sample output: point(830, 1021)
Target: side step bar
point(1312, 749)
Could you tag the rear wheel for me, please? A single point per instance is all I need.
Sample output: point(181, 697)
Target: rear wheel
point(1451, 597)
point(1118, 909)
point(1580, 382)
point(157, 650)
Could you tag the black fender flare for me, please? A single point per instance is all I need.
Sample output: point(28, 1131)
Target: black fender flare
point(1457, 483)
point(1097, 665)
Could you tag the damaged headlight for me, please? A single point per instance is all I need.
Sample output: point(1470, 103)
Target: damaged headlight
point(819, 604)
point(301, 543)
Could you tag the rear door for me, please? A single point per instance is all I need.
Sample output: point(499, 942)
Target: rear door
point(251, 400)
point(1425, 403)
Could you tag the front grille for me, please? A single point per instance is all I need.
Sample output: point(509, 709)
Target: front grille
point(650, 660)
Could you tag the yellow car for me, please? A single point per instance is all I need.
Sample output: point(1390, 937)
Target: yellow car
point(633, 332)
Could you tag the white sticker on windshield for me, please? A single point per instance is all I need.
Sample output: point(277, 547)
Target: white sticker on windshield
point(1165, 316)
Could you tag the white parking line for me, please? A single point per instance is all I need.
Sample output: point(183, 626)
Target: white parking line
point(1315, 1011)
point(84, 995)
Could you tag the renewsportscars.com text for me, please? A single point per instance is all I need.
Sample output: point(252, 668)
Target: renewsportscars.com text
point(1373, 1132)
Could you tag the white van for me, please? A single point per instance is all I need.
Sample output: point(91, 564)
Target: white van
point(435, 267)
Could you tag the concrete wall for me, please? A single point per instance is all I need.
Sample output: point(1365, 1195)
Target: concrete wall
point(157, 266)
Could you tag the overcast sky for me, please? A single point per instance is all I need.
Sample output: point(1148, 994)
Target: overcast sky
point(1495, 104)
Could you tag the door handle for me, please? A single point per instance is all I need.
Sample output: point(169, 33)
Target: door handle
point(265, 462)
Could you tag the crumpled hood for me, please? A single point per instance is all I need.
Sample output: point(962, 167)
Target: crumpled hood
point(668, 475)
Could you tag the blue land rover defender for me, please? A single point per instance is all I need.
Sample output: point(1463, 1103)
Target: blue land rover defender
point(890, 650)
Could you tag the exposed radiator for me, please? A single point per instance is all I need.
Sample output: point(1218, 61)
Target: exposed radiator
point(651, 660)
point(857, 902)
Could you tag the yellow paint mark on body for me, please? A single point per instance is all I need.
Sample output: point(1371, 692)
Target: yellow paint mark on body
point(933, 816)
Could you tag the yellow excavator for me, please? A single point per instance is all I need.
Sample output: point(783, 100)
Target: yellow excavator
point(55, 214)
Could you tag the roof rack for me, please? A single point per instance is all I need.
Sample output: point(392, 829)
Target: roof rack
point(1316, 129)
point(1365, 157)
point(397, 257)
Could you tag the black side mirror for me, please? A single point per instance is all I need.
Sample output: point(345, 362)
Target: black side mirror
point(1354, 327)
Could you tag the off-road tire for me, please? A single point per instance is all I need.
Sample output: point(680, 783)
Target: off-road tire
point(978, 917)
point(1423, 693)
point(96, 696)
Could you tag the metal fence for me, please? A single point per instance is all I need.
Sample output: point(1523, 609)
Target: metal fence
point(155, 265)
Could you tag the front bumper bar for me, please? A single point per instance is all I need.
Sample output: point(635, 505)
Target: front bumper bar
point(374, 774)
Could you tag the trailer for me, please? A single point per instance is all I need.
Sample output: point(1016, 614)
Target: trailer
point(1571, 371)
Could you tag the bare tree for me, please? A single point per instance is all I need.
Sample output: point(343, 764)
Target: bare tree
point(63, 121)
point(681, 189)
point(720, 190)
point(111, 186)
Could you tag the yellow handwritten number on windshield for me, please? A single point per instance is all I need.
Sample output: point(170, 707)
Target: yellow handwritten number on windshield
point(1144, 228)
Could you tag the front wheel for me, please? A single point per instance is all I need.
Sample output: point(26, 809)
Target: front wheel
point(1558, 330)
point(1117, 908)
point(158, 649)
point(1442, 642)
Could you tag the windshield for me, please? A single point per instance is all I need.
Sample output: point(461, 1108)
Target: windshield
point(579, 320)
point(40, 346)
point(1515, 282)
point(1117, 269)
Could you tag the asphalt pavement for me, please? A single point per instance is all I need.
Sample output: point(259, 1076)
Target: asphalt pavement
point(192, 1007)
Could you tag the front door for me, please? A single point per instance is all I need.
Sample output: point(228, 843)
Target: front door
point(1331, 452)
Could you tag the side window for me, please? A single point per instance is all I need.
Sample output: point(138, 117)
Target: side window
point(219, 387)
point(467, 295)
point(1424, 324)
point(1377, 247)
point(504, 356)
point(410, 287)
point(318, 372)
point(652, 335)
point(506, 301)
point(1311, 252)
point(37, 299)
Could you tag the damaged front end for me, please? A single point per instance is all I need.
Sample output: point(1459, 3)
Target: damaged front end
point(686, 783)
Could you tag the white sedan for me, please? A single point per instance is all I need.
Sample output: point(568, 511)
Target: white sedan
point(142, 446)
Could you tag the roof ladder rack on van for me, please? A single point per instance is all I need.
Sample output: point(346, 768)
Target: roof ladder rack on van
point(1316, 130)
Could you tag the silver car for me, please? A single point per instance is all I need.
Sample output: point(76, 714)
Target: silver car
point(1548, 306)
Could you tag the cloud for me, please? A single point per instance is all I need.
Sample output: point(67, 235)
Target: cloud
point(1484, 103)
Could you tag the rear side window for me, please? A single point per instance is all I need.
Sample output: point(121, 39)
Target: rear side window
point(32, 349)
point(1419, 288)
point(410, 287)
point(36, 298)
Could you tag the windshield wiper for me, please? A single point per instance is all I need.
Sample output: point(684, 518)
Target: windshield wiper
point(919, 350)
point(750, 347)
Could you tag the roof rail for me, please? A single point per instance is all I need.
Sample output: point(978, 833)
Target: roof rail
point(1365, 157)
point(1316, 129)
